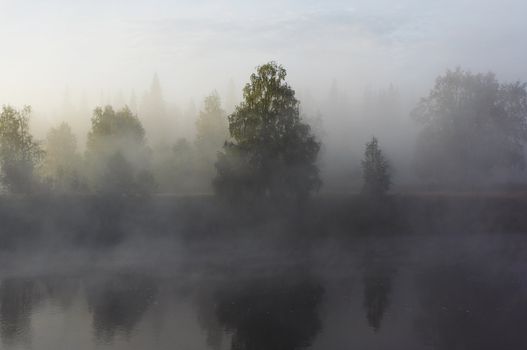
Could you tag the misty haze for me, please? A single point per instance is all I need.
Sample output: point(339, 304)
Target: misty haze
point(248, 175)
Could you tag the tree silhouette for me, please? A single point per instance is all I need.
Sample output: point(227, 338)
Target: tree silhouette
point(273, 152)
point(17, 299)
point(118, 304)
point(62, 163)
point(375, 170)
point(267, 314)
point(211, 128)
point(19, 152)
point(377, 290)
point(472, 126)
point(117, 153)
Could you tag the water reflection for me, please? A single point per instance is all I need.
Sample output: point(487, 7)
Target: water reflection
point(407, 294)
point(119, 303)
point(377, 289)
point(265, 314)
point(17, 299)
point(379, 264)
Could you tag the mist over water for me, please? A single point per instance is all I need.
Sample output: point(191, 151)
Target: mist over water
point(272, 175)
point(443, 292)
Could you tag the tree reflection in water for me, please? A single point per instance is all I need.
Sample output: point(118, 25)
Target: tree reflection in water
point(377, 290)
point(18, 297)
point(119, 303)
point(265, 314)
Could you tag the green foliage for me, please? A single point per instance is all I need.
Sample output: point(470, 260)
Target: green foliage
point(273, 152)
point(117, 155)
point(472, 127)
point(109, 126)
point(375, 170)
point(62, 163)
point(19, 152)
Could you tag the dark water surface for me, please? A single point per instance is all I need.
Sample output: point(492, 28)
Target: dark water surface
point(447, 292)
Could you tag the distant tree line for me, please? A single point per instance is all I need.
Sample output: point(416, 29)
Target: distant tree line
point(262, 150)
point(472, 128)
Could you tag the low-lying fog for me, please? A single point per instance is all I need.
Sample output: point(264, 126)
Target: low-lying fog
point(358, 68)
point(452, 291)
point(187, 174)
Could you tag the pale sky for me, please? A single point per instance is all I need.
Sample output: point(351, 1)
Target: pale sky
point(197, 46)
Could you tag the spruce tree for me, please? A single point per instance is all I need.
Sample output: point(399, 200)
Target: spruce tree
point(375, 170)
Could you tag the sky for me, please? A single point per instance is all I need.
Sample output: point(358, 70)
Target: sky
point(196, 46)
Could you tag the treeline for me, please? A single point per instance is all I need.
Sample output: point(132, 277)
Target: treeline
point(117, 158)
point(473, 131)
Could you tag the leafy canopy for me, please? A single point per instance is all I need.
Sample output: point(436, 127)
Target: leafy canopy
point(116, 146)
point(107, 125)
point(272, 152)
point(19, 152)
